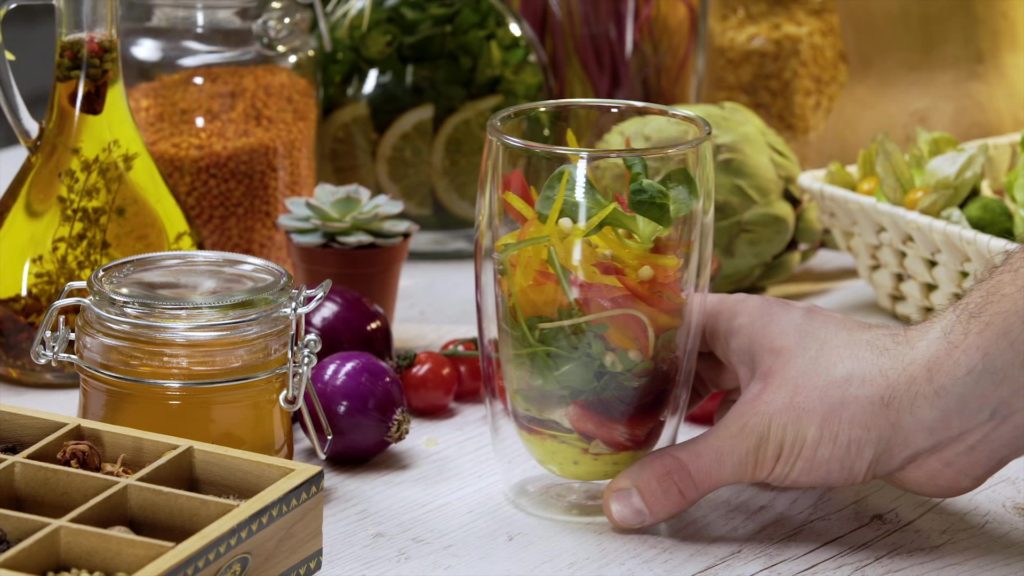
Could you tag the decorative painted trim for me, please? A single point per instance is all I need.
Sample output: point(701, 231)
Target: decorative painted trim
point(309, 565)
point(250, 527)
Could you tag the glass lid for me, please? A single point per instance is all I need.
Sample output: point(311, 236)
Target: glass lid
point(194, 280)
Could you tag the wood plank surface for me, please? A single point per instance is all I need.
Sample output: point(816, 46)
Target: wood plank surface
point(434, 505)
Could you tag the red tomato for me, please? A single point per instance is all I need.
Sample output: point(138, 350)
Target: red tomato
point(704, 413)
point(468, 367)
point(631, 433)
point(664, 297)
point(608, 268)
point(624, 331)
point(430, 383)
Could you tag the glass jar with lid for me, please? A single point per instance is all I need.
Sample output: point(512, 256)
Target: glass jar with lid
point(204, 345)
point(225, 95)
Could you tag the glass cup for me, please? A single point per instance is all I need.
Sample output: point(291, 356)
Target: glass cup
point(592, 258)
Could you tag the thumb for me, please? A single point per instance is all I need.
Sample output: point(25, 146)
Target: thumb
point(668, 481)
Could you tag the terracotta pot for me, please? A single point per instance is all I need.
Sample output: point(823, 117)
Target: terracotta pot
point(371, 271)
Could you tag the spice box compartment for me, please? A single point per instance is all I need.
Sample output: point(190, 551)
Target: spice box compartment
point(173, 506)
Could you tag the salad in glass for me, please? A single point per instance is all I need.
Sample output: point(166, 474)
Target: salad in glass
point(591, 258)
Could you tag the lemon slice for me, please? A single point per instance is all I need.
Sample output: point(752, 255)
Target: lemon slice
point(347, 138)
point(455, 156)
point(403, 157)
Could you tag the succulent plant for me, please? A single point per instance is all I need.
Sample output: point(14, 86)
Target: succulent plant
point(346, 216)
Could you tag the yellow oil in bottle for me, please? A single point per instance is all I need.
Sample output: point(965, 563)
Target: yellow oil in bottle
point(88, 193)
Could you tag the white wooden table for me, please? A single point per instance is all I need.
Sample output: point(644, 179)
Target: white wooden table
point(433, 504)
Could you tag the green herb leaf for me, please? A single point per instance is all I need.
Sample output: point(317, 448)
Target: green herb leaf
point(637, 167)
point(651, 200)
point(682, 191)
point(563, 278)
point(673, 196)
point(581, 201)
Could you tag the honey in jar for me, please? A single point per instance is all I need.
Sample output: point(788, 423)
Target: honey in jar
point(201, 345)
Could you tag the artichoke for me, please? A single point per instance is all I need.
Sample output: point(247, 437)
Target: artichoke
point(345, 216)
point(764, 226)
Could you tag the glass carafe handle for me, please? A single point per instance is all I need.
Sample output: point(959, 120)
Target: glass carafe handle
point(24, 125)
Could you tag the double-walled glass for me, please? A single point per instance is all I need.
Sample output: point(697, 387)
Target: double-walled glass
point(593, 253)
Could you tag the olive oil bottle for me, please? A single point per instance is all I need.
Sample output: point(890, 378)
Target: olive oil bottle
point(88, 192)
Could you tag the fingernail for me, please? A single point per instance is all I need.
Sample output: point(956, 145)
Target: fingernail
point(628, 508)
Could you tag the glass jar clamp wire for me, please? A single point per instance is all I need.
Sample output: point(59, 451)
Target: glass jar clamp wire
point(196, 344)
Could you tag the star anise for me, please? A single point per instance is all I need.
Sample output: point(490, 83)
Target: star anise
point(80, 454)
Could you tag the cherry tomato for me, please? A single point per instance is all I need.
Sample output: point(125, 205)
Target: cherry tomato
point(704, 413)
point(429, 383)
point(630, 433)
point(468, 367)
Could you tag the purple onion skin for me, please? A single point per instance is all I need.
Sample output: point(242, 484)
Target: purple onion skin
point(347, 321)
point(365, 406)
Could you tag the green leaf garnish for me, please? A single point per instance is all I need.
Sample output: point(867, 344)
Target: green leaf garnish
point(581, 202)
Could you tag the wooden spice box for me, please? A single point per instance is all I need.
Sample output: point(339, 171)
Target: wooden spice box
point(195, 509)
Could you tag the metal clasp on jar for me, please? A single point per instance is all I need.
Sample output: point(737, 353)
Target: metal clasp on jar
point(50, 345)
point(54, 335)
point(301, 360)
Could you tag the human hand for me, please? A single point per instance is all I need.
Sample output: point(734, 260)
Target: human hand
point(817, 399)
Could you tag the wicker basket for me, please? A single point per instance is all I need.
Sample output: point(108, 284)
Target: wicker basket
point(917, 264)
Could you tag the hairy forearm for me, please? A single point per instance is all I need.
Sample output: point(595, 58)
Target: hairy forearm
point(972, 367)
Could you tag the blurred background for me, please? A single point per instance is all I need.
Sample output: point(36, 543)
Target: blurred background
point(954, 65)
point(28, 33)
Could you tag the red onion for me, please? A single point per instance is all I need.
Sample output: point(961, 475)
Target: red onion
point(347, 321)
point(362, 397)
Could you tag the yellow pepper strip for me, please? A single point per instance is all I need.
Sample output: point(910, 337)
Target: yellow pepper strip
point(636, 253)
point(570, 139)
point(660, 260)
point(549, 226)
point(510, 238)
point(597, 218)
point(520, 206)
point(534, 195)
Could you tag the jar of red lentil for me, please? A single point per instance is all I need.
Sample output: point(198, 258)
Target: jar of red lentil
point(225, 95)
point(203, 345)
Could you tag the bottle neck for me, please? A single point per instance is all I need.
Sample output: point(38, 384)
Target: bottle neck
point(85, 17)
point(88, 62)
